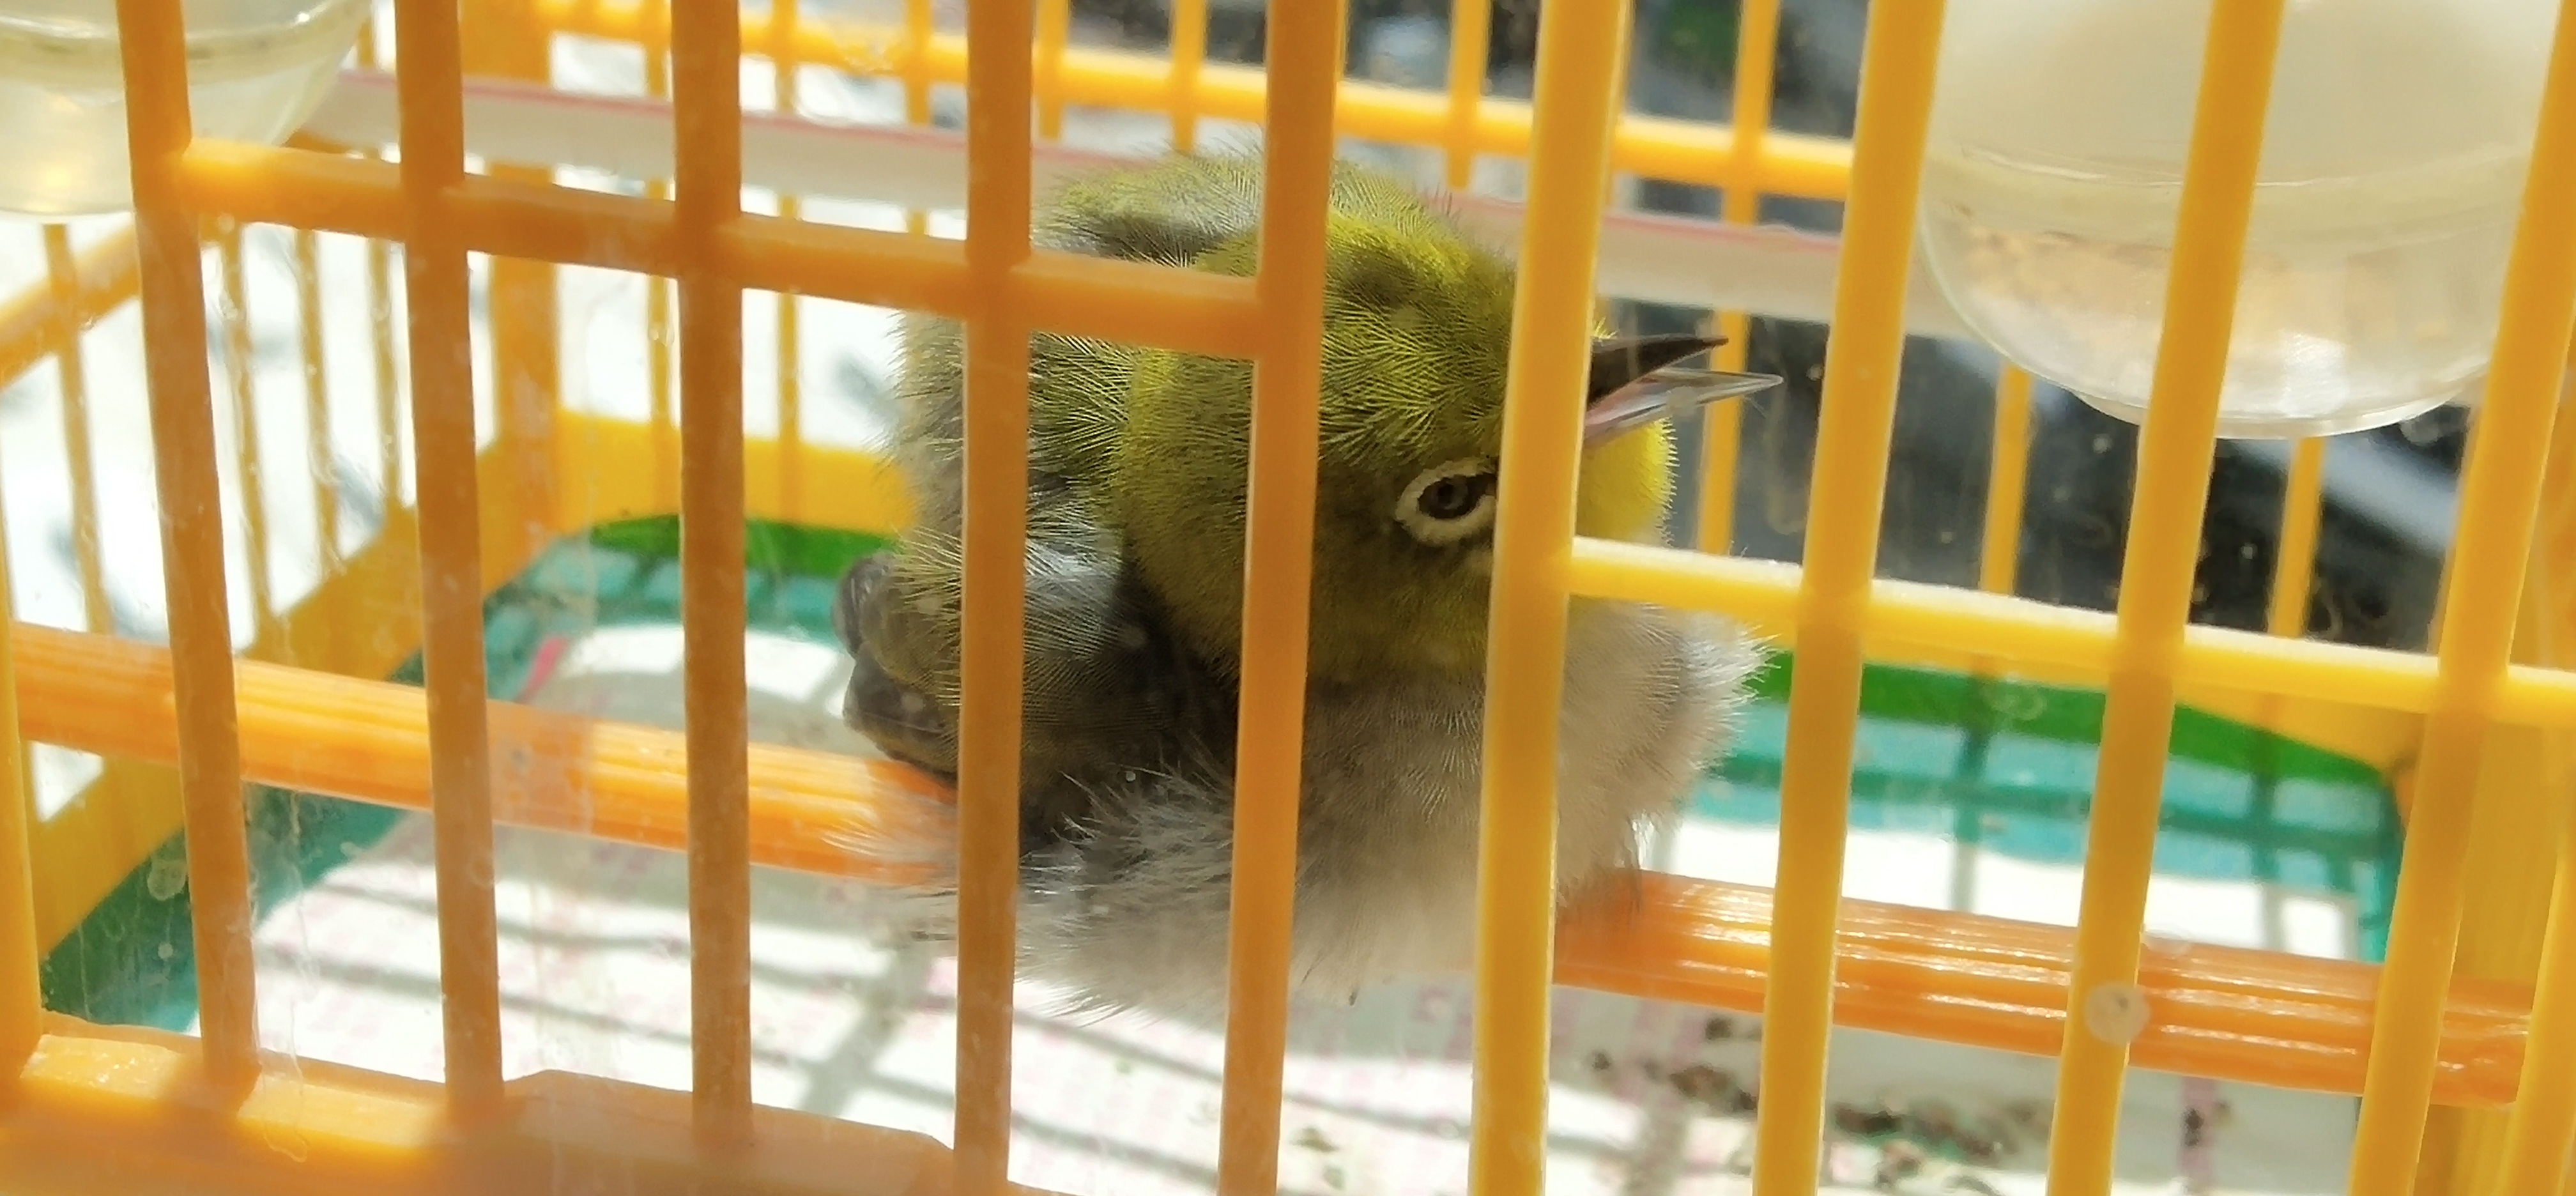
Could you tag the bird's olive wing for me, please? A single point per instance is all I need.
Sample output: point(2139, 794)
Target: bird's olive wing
point(1107, 689)
point(905, 720)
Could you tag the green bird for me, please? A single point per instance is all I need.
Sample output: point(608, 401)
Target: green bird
point(1135, 575)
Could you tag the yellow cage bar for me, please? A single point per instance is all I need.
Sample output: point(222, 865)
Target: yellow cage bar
point(112, 1109)
point(2104, 1003)
point(451, 587)
point(1852, 439)
point(1278, 546)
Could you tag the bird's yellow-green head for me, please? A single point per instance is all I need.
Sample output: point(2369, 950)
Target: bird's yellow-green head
point(1417, 331)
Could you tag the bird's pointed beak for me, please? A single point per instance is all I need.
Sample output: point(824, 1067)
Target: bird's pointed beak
point(1634, 383)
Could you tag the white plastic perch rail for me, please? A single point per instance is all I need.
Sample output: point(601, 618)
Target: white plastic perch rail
point(1768, 270)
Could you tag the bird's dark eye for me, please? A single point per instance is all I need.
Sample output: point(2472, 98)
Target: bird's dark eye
point(1449, 503)
point(1455, 496)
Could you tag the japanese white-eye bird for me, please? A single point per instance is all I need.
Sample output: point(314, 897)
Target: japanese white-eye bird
point(1135, 575)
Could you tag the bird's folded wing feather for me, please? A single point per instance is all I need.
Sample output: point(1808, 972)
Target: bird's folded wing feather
point(1108, 690)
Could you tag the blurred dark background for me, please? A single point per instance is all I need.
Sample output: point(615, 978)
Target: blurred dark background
point(2390, 493)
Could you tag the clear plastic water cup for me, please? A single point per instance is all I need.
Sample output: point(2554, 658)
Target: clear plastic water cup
point(256, 70)
point(2394, 154)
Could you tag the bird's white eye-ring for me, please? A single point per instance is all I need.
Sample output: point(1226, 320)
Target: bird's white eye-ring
point(1449, 502)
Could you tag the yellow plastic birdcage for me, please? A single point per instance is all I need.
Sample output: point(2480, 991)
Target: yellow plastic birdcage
point(2457, 1045)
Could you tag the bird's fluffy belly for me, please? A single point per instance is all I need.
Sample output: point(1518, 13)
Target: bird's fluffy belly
point(1132, 913)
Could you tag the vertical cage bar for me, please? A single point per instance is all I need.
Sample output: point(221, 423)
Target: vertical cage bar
point(2104, 1005)
point(660, 383)
point(707, 155)
point(2499, 501)
point(791, 390)
point(653, 39)
point(1757, 52)
point(2523, 784)
point(319, 456)
point(380, 327)
point(22, 1002)
point(380, 321)
point(661, 343)
point(1721, 444)
point(1471, 36)
point(2541, 1128)
point(1304, 83)
point(917, 31)
point(431, 82)
point(2442, 579)
point(507, 39)
point(784, 18)
point(1578, 93)
point(998, 69)
point(1757, 37)
point(1189, 56)
point(2007, 484)
point(2294, 566)
point(1055, 25)
point(238, 377)
point(1852, 442)
point(69, 362)
point(151, 36)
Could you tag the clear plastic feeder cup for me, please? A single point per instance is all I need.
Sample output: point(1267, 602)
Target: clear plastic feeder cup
point(2392, 169)
point(256, 69)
